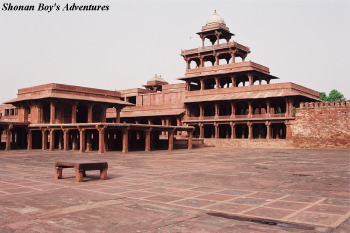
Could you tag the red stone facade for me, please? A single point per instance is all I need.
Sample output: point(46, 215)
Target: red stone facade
point(322, 125)
point(224, 99)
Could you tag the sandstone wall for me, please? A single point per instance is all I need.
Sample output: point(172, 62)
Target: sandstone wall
point(322, 125)
point(245, 143)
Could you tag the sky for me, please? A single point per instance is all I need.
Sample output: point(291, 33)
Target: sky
point(306, 42)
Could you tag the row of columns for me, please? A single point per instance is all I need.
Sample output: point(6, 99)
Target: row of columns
point(86, 140)
point(233, 82)
point(37, 113)
point(250, 130)
point(289, 109)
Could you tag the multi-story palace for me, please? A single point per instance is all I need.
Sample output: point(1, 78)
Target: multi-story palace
point(223, 96)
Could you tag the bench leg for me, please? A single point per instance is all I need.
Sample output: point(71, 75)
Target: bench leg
point(58, 173)
point(103, 174)
point(79, 176)
point(84, 174)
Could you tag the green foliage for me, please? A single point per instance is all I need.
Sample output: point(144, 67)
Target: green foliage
point(323, 96)
point(334, 95)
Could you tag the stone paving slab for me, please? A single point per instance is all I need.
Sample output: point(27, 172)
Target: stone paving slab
point(173, 191)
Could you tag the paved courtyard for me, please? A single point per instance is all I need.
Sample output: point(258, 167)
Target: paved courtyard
point(199, 190)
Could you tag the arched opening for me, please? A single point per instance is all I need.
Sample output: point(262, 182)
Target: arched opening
point(224, 109)
point(238, 59)
point(195, 85)
point(224, 58)
point(209, 131)
point(193, 63)
point(193, 110)
point(278, 130)
point(96, 113)
point(82, 113)
point(259, 130)
point(241, 131)
point(209, 60)
point(209, 83)
point(241, 108)
point(278, 106)
point(209, 109)
point(224, 131)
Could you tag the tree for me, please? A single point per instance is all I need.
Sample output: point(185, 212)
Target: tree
point(334, 95)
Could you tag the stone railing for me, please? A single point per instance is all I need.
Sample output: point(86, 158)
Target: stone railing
point(228, 117)
point(260, 116)
point(241, 66)
point(278, 115)
point(324, 104)
point(215, 47)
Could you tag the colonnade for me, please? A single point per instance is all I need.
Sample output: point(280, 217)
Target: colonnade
point(228, 81)
point(249, 130)
point(57, 112)
point(243, 109)
point(100, 137)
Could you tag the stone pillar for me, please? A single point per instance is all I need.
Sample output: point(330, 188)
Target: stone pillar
point(89, 113)
point(268, 108)
point(82, 140)
point(44, 139)
point(233, 81)
point(189, 143)
point(233, 58)
point(29, 140)
point(250, 130)
point(52, 112)
point(201, 112)
point(251, 79)
point(52, 139)
point(233, 109)
point(103, 114)
point(288, 130)
point(171, 140)
point(250, 109)
point(216, 110)
point(233, 131)
point(268, 129)
point(101, 140)
point(217, 82)
point(74, 112)
point(8, 139)
point(216, 125)
point(202, 84)
point(125, 140)
point(117, 115)
point(65, 139)
point(148, 140)
point(201, 130)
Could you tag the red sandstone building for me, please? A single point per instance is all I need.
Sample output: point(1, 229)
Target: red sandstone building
point(222, 96)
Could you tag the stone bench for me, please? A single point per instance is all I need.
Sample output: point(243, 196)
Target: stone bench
point(80, 169)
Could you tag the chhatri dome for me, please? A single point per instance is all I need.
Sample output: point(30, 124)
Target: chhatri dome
point(158, 78)
point(215, 18)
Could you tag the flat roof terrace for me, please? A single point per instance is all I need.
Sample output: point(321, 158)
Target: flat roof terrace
point(201, 190)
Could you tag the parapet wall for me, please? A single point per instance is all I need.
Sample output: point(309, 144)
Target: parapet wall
point(322, 125)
